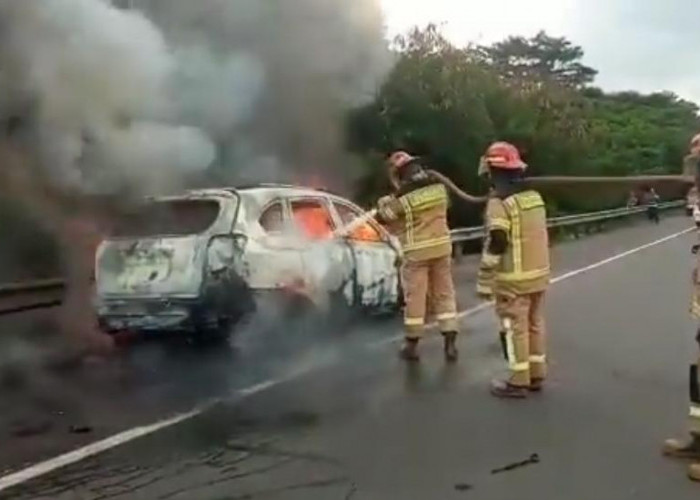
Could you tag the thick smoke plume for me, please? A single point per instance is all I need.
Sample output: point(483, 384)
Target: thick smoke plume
point(176, 91)
point(99, 99)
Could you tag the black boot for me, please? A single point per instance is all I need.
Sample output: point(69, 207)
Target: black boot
point(451, 352)
point(506, 390)
point(409, 350)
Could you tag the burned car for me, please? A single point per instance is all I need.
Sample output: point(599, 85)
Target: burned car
point(199, 262)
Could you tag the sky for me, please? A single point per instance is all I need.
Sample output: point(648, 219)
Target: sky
point(644, 45)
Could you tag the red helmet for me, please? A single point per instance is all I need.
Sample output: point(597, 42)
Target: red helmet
point(504, 155)
point(399, 159)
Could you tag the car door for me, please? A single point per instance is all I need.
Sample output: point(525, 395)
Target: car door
point(328, 263)
point(274, 256)
point(375, 259)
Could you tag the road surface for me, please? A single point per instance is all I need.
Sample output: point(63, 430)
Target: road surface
point(347, 420)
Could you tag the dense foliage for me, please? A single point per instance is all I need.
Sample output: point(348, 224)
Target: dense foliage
point(448, 103)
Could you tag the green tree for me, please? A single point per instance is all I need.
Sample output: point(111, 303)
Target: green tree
point(539, 60)
point(448, 103)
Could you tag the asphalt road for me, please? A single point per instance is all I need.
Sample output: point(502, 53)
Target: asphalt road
point(346, 420)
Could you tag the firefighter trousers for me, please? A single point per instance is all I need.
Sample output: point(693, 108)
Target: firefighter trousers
point(428, 278)
point(694, 387)
point(523, 336)
point(694, 375)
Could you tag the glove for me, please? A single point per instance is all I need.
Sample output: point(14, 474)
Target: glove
point(484, 293)
point(384, 200)
point(695, 248)
point(484, 284)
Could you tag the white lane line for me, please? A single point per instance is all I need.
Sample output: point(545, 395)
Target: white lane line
point(116, 440)
point(74, 456)
point(486, 305)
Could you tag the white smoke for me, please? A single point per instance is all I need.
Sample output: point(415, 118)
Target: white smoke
point(146, 98)
point(95, 78)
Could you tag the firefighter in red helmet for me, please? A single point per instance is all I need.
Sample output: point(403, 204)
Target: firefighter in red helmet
point(417, 212)
point(515, 262)
point(689, 448)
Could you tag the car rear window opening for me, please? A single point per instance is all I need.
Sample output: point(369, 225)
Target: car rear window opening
point(167, 218)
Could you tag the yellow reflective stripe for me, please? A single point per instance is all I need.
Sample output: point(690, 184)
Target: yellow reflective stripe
point(426, 197)
point(427, 244)
point(538, 358)
point(441, 317)
point(409, 219)
point(413, 321)
point(519, 367)
point(510, 348)
point(695, 411)
point(523, 276)
point(529, 200)
point(516, 237)
point(485, 289)
point(513, 363)
point(499, 223)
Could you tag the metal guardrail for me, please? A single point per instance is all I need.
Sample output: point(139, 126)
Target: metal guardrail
point(477, 233)
point(18, 297)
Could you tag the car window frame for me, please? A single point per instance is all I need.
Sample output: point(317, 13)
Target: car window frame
point(385, 240)
point(324, 201)
point(286, 216)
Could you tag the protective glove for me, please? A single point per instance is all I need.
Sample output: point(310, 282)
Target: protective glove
point(384, 201)
point(695, 248)
point(484, 283)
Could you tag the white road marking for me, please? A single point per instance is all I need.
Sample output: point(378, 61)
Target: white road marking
point(486, 305)
point(116, 440)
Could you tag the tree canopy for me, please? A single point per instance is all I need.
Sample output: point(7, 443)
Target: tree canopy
point(448, 103)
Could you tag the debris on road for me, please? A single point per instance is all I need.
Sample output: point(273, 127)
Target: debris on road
point(533, 459)
point(463, 487)
point(80, 429)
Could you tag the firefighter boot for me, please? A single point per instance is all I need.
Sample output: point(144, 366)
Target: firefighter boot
point(536, 384)
point(451, 352)
point(694, 472)
point(504, 389)
point(683, 449)
point(409, 350)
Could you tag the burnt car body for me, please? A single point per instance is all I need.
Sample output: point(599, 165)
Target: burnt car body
point(199, 262)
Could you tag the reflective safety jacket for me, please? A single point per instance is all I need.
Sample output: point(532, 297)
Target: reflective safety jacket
point(690, 165)
point(419, 220)
point(524, 267)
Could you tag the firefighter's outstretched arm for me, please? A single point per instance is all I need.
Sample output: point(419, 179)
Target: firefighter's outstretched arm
point(453, 187)
point(389, 209)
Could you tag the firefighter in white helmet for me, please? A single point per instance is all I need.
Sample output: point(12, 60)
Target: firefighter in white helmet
point(690, 448)
point(517, 256)
point(417, 213)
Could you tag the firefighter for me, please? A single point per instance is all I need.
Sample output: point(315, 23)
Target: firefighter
point(517, 254)
point(690, 448)
point(417, 212)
